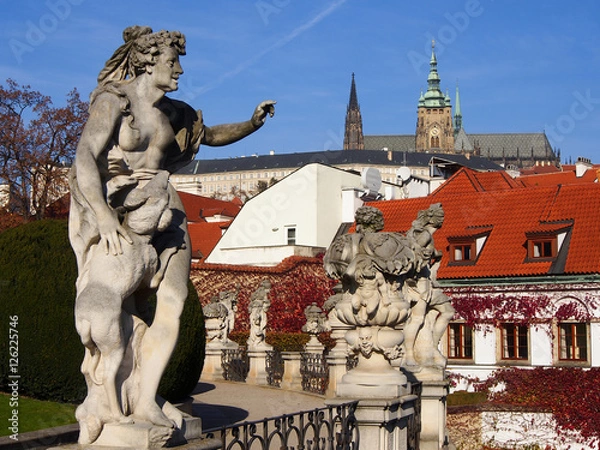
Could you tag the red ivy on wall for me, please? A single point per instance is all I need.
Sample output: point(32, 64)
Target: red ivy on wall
point(524, 308)
point(295, 283)
point(570, 393)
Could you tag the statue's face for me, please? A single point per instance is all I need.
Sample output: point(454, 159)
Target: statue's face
point(365, 340)
point(167, 69)
point(438, 219)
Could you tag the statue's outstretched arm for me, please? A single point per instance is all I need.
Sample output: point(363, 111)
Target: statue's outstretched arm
point(228, 133)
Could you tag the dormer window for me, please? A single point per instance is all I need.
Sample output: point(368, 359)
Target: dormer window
point(462, 252)
point(546, 244)
point(542, 247)
point(465, 250)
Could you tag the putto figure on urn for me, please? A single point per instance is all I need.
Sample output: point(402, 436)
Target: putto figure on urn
point(384, 276)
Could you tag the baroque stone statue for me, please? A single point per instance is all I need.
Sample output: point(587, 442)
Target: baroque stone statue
point(258, 308)
point(128, 228)
point(219, 317)
point(388, 287)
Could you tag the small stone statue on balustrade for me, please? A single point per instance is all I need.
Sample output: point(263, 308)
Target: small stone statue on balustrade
point(315, 325)
point(219, 316)
point(258, 307)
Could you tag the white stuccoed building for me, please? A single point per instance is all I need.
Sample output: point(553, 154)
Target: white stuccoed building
point(300, 215)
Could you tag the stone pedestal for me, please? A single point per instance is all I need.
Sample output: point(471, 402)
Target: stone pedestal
point(292, 378)
point(143, 435)
point(314, 346)
point(383, 424)
point(373, 377)
point(257, 372)
point(213, 361)
point(433, 415)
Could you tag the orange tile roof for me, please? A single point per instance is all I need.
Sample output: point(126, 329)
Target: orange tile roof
point(197, 207)
point(508, 216)
point(204, 237)
point(556, 178)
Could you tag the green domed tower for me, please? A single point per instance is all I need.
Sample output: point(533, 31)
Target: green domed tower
point(434, 115)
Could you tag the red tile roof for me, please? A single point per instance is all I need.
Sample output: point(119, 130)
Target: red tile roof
point(198, 208)
point(553, 179)
point(508, 213)
point(204, 237)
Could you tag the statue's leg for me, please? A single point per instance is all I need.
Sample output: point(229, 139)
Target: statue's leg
point(98, 322)
point(160, 338)
point(411, 329)
point(446, 313)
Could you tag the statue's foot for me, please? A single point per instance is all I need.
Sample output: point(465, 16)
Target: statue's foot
point(153, 414)
point(123, 420)
point(89, 426)
point(411, 364)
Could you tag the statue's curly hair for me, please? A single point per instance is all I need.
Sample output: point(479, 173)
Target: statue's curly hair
point(368, 219)
point(140, 49)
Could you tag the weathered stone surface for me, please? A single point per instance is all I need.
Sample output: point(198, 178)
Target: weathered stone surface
point(128, 229)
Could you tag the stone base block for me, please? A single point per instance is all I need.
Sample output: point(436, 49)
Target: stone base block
point(347, 390)
point(144, 435)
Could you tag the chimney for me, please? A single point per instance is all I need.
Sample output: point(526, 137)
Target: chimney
point(582, 165)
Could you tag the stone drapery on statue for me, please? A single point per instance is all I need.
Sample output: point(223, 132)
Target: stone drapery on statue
point(388, 290)
point(257, 309)
point(128, 229)
point(219, 318)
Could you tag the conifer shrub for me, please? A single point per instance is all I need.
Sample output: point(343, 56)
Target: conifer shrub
point(37, 290)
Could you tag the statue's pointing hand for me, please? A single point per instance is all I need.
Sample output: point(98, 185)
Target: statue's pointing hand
point(261, 111)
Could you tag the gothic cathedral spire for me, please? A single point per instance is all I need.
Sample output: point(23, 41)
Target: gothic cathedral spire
point(353, 134)
point(434, 115)
point(457, 114)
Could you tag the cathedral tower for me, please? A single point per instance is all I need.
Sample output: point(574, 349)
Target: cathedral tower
point(434, 115)
point(353, 134)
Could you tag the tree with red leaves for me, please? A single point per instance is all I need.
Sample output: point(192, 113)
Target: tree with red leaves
point(37, 146)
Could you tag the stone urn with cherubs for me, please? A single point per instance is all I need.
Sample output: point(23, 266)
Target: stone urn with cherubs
point(370, 265)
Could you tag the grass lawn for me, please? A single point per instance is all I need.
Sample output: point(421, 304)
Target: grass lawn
point(35, 414)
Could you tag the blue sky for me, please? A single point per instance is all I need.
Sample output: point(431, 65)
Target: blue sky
point(521, 66)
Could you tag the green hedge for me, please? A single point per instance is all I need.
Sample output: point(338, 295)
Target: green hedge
point(37, 285)
point(284, 342)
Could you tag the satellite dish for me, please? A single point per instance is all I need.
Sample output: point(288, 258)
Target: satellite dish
point(403, 173)
point(371, 179)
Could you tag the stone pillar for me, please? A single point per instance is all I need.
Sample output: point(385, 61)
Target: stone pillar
point(257, 373)
point(213, 360)
point(213, 366)
point(433, 415)
point(383, 423)
point(337, 369)
point(292, 379)
point(338, 356)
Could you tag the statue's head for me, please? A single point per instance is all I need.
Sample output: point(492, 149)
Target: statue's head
point(433, 216)
point(142, 48)
point(368, 219)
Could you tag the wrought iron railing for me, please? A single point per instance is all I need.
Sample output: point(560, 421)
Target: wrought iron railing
point(235, 364)
point(274, 367)
point(315, 372)
point(329, 428)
